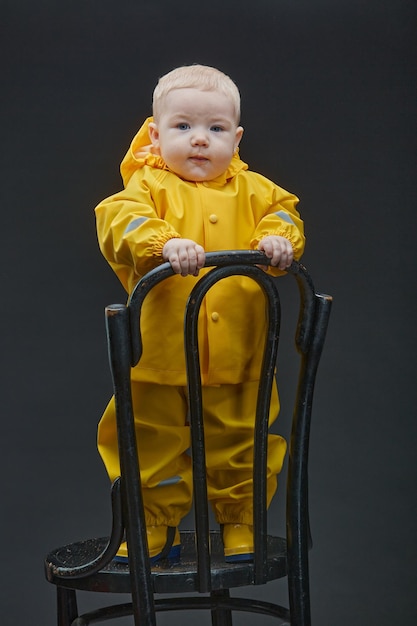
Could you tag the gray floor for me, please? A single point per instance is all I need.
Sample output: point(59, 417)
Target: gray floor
point(329, 96)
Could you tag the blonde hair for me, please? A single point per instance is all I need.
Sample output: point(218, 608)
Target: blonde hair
point(198, 77)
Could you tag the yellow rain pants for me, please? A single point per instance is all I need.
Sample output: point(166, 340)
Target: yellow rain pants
point(163, 444)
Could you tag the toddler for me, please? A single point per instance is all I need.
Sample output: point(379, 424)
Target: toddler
point(186, 192)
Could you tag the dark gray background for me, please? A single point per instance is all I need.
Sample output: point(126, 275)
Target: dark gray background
point(329, 108)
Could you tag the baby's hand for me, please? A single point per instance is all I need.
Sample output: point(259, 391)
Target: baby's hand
point(186, 256)
point(278, 249)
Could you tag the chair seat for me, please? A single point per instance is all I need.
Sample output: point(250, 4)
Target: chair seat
point(166, 578)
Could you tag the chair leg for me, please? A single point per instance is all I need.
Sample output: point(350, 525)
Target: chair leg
point(299, 596)
point(66, 606)
point(219, 616)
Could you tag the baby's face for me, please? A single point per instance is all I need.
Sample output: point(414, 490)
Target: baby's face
point(196, 133)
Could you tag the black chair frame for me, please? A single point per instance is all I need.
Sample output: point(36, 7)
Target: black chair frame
point(89, 565)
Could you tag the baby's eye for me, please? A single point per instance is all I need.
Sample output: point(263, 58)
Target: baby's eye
point(183, 126)
point(216, 129)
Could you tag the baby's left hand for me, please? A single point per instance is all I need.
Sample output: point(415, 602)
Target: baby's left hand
point(278, 249)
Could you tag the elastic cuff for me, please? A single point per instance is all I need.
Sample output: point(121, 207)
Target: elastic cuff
point(293, 240)
point(159, 244)
point(241, 518)
point(151, 520)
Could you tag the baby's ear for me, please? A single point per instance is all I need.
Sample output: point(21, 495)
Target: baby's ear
point(153, 134)
point(239, 133)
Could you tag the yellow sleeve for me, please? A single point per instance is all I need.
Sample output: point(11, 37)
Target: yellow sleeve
point(281, 219)
point(130, 232)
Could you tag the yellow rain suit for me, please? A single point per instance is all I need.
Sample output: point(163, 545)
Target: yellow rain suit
point(234, 211)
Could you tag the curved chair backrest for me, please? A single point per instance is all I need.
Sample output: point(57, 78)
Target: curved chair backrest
point(89, 564)
point(125, 347)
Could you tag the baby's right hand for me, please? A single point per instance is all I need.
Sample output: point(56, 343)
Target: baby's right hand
point(185, 255)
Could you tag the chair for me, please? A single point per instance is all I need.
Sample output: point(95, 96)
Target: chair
point(88, 565)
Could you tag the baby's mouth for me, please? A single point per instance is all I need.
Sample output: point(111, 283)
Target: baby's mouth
point(198, 157)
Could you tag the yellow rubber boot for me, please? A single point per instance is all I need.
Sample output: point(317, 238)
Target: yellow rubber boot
point(163, 543)
point(238, 542)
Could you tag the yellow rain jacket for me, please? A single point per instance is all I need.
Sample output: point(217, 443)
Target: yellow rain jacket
point(234, 211)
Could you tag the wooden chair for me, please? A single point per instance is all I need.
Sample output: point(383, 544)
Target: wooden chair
point(89, 565)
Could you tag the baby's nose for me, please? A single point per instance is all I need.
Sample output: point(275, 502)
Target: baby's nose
point(200, 138)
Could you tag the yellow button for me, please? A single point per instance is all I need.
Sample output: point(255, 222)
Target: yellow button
point(213, 218)
point(215, 316)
